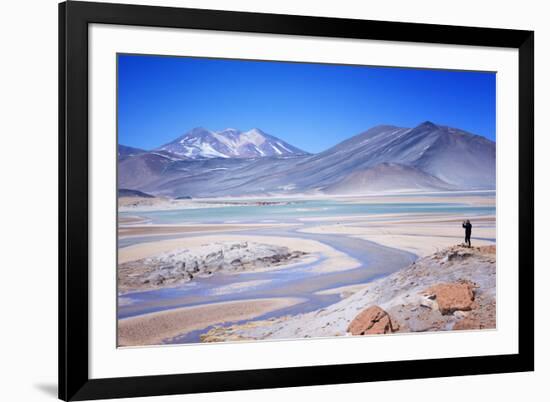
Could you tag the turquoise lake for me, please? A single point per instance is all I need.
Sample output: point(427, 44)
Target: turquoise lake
point(295, 209)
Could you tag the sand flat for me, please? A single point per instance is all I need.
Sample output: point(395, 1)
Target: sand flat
point(445, 198)
point(154, 328)
point(132, 220)
point(420, 245)
point(159, 229)
point(396, 217)
point(420, 236)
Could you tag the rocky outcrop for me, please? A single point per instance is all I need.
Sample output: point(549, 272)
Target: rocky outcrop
point(372, 320)
point(170, 269)
point(451, 297)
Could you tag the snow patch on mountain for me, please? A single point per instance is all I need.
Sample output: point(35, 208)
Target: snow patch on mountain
point(200, 143)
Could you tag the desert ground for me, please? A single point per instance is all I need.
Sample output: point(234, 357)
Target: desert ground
point(307, 272)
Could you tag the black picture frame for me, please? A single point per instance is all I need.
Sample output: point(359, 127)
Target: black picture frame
point(74, 381)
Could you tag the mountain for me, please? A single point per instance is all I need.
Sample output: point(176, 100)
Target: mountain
point(387, 177)
point(142, 170)
point(124, 192)
point(456, 157)
point(385, 158)
point(200, 143)
point(125, 151)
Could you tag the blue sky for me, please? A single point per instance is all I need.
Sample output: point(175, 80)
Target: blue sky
point(311, 106)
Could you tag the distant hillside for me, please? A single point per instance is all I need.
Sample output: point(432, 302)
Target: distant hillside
point(124, 152)
point(387, 177)
point(125, 192)
point(383, 158)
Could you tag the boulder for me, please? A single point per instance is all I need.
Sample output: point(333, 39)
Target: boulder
point(451, 297)
point(373, 320)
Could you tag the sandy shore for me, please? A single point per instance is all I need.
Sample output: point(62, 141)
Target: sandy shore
point(471, 199)
point(139, 204)
point(154, 328)
point(421, 236)
point(132, 220)
point(387, 217)
point(159, 230)
point(334, 259)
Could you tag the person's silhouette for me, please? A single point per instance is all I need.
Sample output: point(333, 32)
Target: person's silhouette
point(468, 232)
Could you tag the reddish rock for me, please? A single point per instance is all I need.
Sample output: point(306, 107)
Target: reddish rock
point(467, 323)
point(488, 249)
point(451, 297)
point(482, 317)
point(372, 320)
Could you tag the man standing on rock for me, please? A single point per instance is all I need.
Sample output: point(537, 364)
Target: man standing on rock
point(468, 228)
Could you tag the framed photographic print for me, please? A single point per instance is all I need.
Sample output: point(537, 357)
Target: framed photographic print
point(258, 200)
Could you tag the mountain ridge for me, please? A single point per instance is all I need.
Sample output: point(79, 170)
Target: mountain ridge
point(383, 158)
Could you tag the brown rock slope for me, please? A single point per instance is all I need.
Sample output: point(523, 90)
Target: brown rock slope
point(454, 288)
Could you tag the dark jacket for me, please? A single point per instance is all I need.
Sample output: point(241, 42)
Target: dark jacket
point(468, 227)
